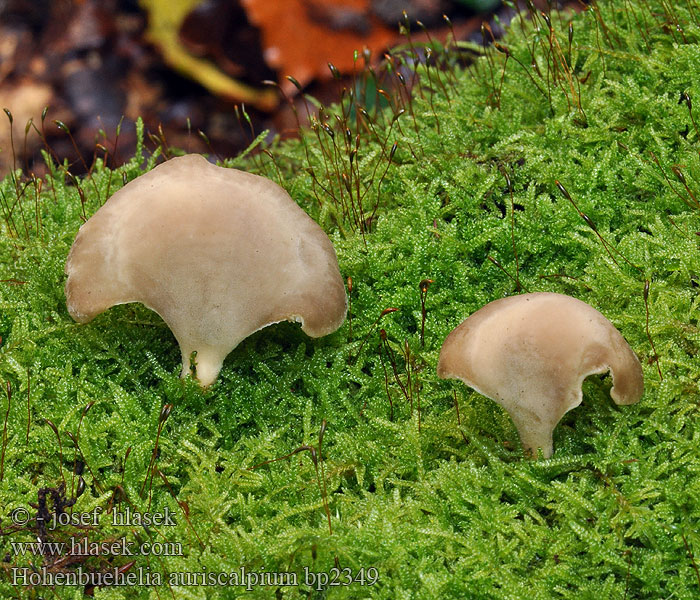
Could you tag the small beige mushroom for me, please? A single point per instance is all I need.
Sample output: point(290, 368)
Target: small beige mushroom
point(531, 353)
point(218, 253)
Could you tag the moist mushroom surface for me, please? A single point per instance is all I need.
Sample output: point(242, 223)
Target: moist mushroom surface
point(218, 253)
point(530, 353)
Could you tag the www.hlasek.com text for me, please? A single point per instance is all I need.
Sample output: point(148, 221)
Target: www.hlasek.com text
point(82, 546)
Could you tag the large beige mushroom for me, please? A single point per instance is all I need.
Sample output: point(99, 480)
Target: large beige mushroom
point(217, 253)
point(531, 353)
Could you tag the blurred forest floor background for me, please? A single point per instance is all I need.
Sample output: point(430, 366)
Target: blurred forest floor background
point(191, 66)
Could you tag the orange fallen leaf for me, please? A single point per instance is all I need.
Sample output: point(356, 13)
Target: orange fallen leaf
point(300, 37)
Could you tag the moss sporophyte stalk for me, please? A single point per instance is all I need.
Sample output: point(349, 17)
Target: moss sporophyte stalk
point(564, 159)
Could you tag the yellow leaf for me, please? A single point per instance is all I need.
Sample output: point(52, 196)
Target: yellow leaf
point(165, 18)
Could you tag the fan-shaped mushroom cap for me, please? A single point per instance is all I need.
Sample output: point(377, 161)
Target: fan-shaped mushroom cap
point(217, 253)
point(531, 353)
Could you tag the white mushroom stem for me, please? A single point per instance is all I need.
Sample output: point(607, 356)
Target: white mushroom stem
point(217, 253)
point(531, 353)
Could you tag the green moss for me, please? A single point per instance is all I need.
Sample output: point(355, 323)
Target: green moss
point(442, 508)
